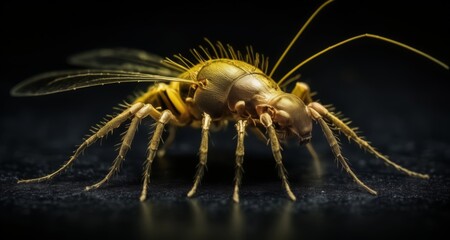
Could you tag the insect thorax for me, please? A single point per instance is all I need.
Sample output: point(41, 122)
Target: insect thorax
point(224, 82)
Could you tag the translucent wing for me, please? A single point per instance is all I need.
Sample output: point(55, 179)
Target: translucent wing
point(61, 81)
point(126, 59)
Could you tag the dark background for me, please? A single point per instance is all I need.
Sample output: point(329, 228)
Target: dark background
point(398, 99)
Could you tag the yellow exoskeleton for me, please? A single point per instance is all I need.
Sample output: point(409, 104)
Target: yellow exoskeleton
point(219, 85)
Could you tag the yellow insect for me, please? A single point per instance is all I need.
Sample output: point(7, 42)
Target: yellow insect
point(219, 85)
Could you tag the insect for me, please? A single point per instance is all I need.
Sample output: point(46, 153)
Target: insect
point(217, 85)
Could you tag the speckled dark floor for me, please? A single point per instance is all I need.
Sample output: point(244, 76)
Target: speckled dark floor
point(395, 97)
point(329, 206)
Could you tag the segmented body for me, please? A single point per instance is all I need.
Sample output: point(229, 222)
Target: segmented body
point(222, 83)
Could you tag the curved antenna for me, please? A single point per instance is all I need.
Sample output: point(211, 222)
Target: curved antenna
point(365, 35)
point(296, 37)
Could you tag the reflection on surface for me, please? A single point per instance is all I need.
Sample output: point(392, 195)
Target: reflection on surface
point(283, 227)
point(204, 221)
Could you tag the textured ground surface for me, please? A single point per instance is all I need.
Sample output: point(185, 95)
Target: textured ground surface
point(326, 207)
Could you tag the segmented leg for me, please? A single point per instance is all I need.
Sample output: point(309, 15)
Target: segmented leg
point(302, 91)
point(203, 151)
point(345, 129)
point(125, 146)
point(166, 116)
point(316, 159)
point(240, 127)
point(168, 141)
point(276, 150)
point(100, 133)
point(335, 148)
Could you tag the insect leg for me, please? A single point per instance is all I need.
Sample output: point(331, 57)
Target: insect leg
point(344, 128)
point(203, 151)
point(240, 127)
point(335, 148)
point(169, 140)
point(302, 91)
point(125, 146)
point(100, 133)
point(276, 150)
point(166, 116)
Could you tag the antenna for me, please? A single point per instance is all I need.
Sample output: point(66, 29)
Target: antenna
point(296, 37)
